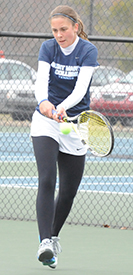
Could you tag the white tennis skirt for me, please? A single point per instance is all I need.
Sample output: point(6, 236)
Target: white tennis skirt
point(43, 126)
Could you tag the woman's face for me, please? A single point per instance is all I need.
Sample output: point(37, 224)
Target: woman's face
point(64, 31)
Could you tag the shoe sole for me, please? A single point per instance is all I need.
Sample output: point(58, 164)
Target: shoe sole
point(52, 266)
point(49, 262)
point(46, 255)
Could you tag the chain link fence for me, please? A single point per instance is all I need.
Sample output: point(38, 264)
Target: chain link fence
point(105, 196)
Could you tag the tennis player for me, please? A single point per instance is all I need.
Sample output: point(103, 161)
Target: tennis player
point(65, 67)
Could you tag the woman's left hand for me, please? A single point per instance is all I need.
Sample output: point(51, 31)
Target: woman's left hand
point(60, 113)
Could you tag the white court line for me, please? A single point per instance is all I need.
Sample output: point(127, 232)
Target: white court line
point(17, 161)
point(84, 177)
point(79, 191)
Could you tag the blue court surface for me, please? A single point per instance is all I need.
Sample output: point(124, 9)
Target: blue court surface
point(19, 145)
point(105, 184)
point(17, 148)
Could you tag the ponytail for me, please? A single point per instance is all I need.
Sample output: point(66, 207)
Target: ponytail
point(81, 32)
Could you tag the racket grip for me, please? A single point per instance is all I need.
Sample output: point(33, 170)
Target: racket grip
point(55, 112)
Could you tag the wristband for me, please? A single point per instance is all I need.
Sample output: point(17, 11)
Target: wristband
point(42, 101)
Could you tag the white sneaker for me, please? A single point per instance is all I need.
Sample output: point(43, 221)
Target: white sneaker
point(45, 251)
point(57, 249)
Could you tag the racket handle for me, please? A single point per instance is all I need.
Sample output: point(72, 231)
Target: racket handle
point(55, 112)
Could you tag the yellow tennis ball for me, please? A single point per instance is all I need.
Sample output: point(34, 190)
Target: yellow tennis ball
point(65, 128)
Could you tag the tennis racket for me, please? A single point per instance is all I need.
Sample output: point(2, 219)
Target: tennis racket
point(94, 130)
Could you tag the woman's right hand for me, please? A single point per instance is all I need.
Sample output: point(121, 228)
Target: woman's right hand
point(46, 108)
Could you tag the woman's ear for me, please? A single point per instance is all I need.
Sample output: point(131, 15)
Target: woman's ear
point(76, 27)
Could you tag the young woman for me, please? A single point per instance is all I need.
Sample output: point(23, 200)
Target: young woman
point(65, 67)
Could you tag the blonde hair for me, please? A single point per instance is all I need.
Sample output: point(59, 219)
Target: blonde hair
point(68, 12)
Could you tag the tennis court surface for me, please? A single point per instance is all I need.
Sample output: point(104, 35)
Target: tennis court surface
point(86, 250)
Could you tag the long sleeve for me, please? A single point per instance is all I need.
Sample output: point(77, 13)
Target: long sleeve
point(41, 86)
point(80, 89)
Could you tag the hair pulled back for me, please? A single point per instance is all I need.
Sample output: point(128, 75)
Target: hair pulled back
point(63, 10)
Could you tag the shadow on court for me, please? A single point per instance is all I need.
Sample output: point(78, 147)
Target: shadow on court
point(86, 250)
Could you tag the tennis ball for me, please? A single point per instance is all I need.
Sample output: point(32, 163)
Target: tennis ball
point(65, 128)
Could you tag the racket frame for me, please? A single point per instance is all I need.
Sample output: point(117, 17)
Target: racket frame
point(75, 128)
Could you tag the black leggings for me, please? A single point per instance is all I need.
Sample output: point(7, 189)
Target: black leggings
point(51, 214)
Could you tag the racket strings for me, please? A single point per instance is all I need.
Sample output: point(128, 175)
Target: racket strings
point(95, 132)
point(85, 116)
